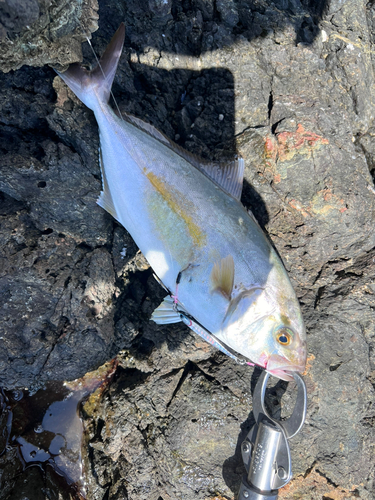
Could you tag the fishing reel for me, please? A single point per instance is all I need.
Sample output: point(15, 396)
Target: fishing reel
point(265, 450)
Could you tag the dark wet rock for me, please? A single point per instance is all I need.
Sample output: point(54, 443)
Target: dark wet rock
point(16, 14)
point(288, 85)
point(44, 435)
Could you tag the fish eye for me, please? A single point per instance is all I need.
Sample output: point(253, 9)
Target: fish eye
point(284, 336)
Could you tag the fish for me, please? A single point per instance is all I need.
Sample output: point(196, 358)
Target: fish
point(223, 277)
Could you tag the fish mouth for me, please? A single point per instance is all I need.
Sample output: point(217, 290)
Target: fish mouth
point(280, 367)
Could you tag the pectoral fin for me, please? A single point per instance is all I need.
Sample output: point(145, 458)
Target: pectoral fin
point(166, 312)
point(222, 276)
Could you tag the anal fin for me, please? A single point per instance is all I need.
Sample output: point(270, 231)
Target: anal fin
point(105, 201)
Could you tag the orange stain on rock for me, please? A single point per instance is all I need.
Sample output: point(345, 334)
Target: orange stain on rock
point(309, 362)
point(270, 148)
point(314, 487)
point(283, 148)
point(327, 195)
point(297, 206)
point(325, 201)
point(202, 346)
point(302, 141)
point(285, 145)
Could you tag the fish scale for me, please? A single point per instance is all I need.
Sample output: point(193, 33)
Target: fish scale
point(185, 216)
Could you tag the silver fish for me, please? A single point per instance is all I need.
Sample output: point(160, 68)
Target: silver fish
point(224, 279)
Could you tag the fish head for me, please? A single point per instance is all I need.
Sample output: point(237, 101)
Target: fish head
point(266, 332)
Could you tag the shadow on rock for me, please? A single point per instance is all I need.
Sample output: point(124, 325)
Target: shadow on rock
point(199, 26)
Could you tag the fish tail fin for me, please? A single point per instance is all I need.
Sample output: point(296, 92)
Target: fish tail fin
point(93, 87)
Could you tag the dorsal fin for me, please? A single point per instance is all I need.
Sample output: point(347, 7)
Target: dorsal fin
point(228, 176)
point(150, 129)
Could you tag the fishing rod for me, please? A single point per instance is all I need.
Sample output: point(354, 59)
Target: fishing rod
point(265, 450)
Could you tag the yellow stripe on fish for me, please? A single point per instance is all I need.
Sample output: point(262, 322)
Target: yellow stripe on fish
point(177, 204)
point(186, 217)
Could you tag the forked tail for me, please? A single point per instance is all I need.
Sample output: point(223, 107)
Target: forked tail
point(94, 87)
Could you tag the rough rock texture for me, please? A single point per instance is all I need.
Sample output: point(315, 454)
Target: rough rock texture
point(37, 32)
point(288, 84)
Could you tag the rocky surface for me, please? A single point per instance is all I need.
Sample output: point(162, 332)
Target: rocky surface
point(37, 32)
point(288, 84)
